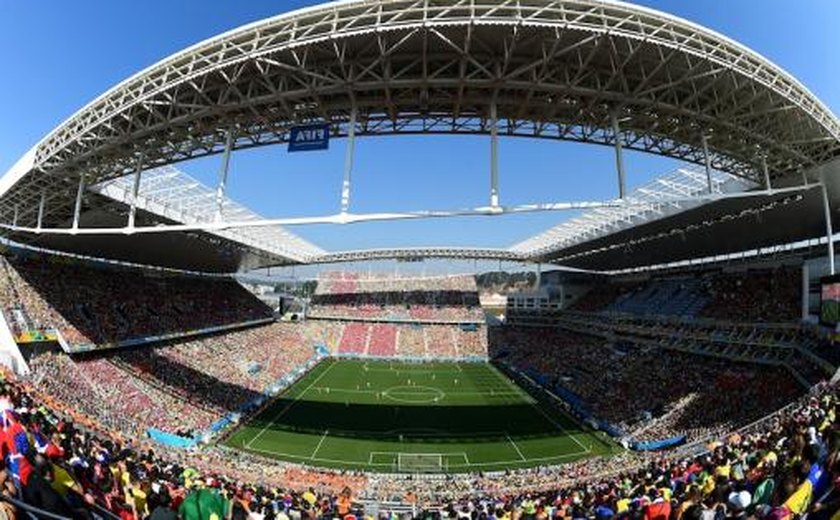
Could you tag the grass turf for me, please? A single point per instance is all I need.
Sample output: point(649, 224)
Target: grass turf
point(414, 417)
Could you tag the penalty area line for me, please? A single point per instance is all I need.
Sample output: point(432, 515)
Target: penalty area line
point(318, 447)
point(538, 407)
point(287, 408)
point(518, 451)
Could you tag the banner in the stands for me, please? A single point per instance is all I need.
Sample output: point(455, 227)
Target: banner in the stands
point(35, 336)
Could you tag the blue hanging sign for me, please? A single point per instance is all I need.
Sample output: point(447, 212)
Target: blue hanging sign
point(309, 137)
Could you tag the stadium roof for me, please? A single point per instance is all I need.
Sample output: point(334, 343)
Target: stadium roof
point(652, 201)
point(171, 193)
point(591, 71)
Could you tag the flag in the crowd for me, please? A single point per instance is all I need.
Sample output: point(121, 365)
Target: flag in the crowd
point(15, 443)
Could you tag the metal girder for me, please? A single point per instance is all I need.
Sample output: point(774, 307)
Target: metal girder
point(465, 253)
point(555, 68)
point(664, 195)
point(172, 194)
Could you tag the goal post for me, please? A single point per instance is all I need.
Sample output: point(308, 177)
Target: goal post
point(420, 462)
point(407, 462)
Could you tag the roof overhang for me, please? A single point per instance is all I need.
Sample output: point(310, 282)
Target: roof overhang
point(554, 69)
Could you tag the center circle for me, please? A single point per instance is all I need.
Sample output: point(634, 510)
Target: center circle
point(414, 394)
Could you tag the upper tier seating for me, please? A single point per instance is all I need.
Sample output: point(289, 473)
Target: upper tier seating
point(755, 295)
point(106, 304)
point(382, 298)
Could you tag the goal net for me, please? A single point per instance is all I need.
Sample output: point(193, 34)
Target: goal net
point(420, 462)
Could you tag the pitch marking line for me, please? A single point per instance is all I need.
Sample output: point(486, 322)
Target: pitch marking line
point(518, 451)
point(499, 375)
point(288, 407)
point(408, 369)
point(491, 393)
point(318, 447)
point(564, 430)
point(534, 459)
point(539, 409)
point(371, 455)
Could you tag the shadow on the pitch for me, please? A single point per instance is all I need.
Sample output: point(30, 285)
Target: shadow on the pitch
point(400, 423)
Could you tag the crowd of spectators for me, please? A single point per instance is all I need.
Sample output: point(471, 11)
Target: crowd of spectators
point(76, 420)
point(413, 341)
point(648, 392)
point(180, 387)
point(99, 303)
point(26, 309)
point(60, 465)
point(769, 295)
point(781, 468)
point(752, 296)
point(397, 298)
point(803, 348)
point(439, 340)
point(343, 282)
point(355, 338)
point(601, 295)
point(784, 468)
point(383, 340)
point(416, 340)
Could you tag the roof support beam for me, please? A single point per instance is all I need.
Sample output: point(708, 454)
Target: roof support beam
point(707, 161)
point(132, 210)
point(348, 160)
point(766, 172)
point(41, 205)
point(829, 232)
point(494, 157)
point(619, 160)
point(223, 174)
point(78, 208)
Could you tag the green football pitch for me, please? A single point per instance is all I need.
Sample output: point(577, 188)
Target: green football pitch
point(414, 417)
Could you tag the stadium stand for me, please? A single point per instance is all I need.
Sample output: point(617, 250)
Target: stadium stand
point(626, 385)
point(672, 296)
point(383, 340)
point(181, 387)
point(354, 339)
point(399, 316)
point(781, 466)
point(709, 377)
point(756, 295)
point(601, 295)
point(729, 338)
point(471, 342)
point(804, 349)
point(400, 340)
point(440, 341)
point(105, 304)
point(759, 296)
point(411, 341)
point(433, 299)
point(611, 362)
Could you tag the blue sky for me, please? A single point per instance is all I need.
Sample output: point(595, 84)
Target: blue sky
point(57, 56)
